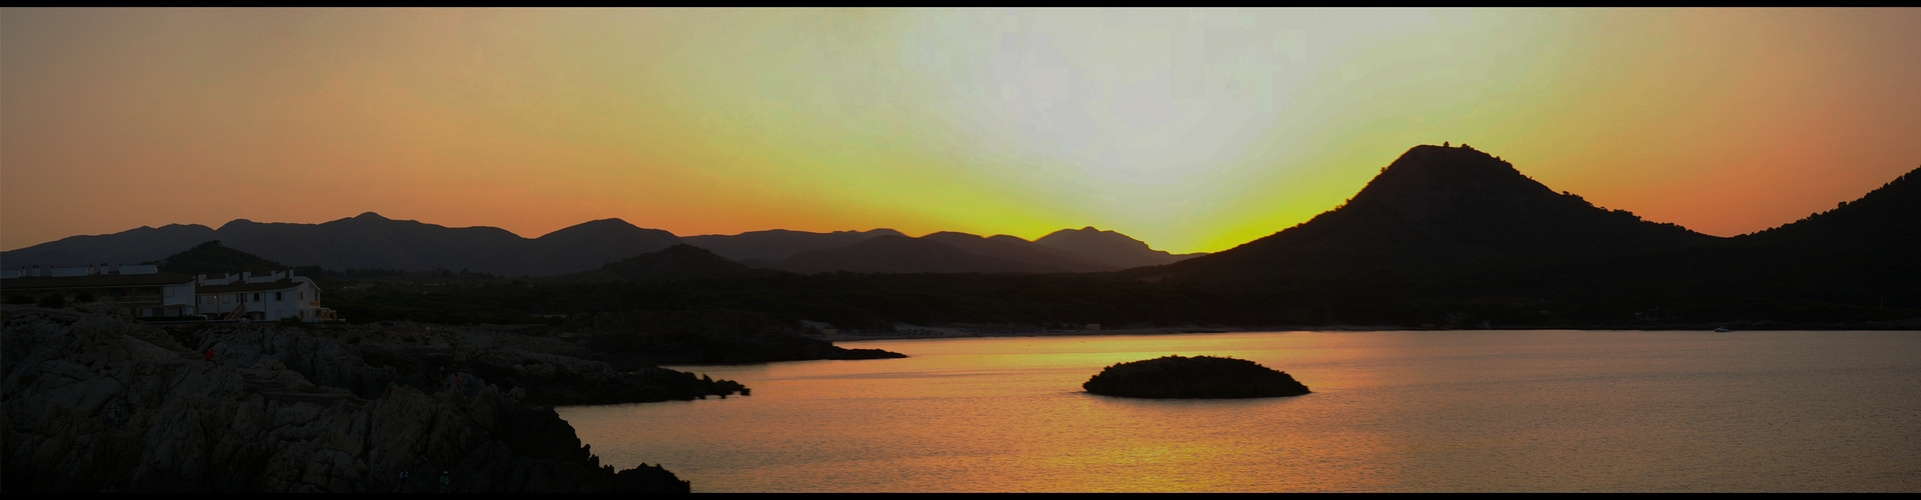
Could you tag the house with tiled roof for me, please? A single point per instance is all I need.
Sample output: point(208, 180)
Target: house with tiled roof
point(148, 293)
point(272, 297)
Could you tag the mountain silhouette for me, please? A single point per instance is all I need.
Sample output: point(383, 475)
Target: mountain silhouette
point(1862, 251)
point(1109, 247)
point(1440, 205)
point(1002, 246)
point(901, 254)
point(674, 263)
point(212, 258)
point(371, 241)
point(827, 252)
point(1886, 217)
point(368, 241)
point(596, 242)
point(779, 244)
point(142, 244)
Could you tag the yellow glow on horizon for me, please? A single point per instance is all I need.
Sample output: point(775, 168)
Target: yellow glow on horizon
point(1190, 129)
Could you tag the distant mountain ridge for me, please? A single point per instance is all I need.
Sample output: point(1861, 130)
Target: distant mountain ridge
point(779, 244)
point(133, 246)
point(901, 254)
point(889, 251)
point(1444, 238)
point(675, 263)
point(367, 241)
point(371, 241)
point(1109, 247)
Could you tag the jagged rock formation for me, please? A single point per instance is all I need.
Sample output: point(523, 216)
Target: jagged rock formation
point(1199, 377)
point(100, 403)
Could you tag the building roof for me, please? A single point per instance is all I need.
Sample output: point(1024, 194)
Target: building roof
point(94, 281)
point(281, 284)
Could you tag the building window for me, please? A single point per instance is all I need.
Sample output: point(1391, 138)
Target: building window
point(277, 297)
point(256, 296)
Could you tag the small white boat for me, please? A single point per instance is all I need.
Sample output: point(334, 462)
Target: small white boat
point(1722, 330)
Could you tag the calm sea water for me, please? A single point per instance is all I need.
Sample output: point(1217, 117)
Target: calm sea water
point(1391, 411)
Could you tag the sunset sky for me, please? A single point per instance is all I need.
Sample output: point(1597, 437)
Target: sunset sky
point(1193, 130)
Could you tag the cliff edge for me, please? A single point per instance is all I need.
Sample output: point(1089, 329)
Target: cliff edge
point(97, 402)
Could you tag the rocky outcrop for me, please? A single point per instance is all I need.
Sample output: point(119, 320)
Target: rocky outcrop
point(371, 358)
point(704, 337)
point(564, 380)
point(101, 403)
point(1193, 378)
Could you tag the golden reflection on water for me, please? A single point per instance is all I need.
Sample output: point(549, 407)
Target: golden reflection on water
point(1391, 411)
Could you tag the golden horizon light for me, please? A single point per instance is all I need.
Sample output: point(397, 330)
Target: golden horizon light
point(1190, 129)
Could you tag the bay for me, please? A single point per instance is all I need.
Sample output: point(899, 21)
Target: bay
point(1391, 411)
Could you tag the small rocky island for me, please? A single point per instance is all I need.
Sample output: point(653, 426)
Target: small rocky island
point(1199, 377)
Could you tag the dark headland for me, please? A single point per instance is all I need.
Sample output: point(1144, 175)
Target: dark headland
point(96, 400)
point(1199, 377)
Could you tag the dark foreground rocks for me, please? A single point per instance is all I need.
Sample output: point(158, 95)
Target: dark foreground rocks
point(1193, 378)
point(102, 403)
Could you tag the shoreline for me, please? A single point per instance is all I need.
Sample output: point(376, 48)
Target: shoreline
point(959, 333)
point(956, 333)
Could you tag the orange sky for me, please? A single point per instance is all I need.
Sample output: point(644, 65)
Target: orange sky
point(1193, 130)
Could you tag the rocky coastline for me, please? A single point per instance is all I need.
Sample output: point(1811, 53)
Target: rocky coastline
point(96, 401)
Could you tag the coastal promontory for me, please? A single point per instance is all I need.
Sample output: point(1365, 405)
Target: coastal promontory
point(97, 401)
point(1199, 377)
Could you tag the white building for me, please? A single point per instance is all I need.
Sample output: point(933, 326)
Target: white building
point(143, 290)
point(271, 297)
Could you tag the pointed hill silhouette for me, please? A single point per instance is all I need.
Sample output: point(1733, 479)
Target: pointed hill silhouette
point(1440, 206)
point(212, 258)
point(597, 243)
